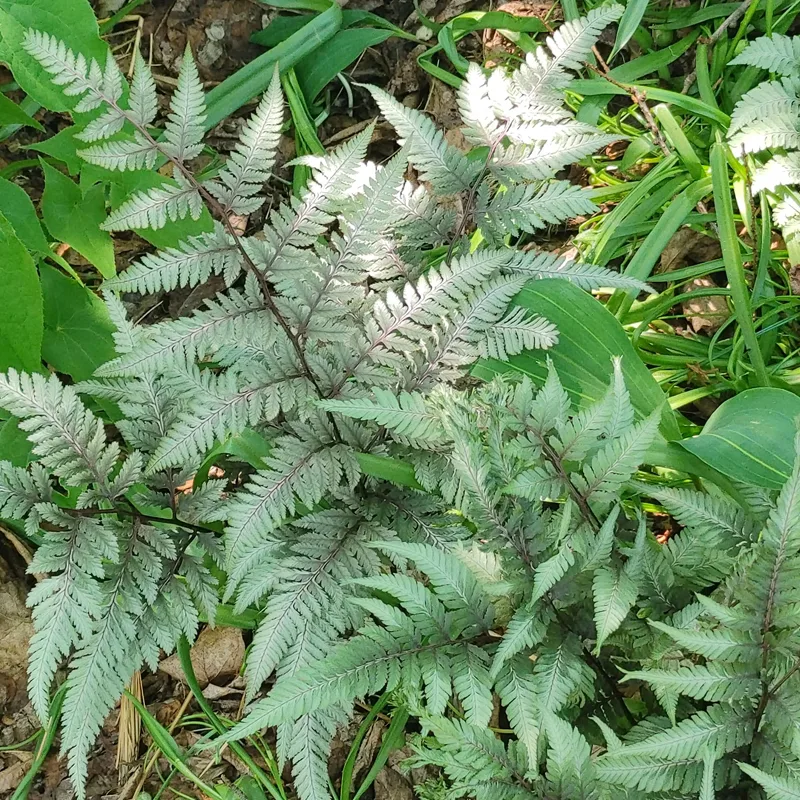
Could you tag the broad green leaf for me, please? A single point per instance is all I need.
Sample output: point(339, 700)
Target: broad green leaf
point(64, 147)
point(75, 218)
point(72, 21)
point(629, 22)
point(14, 444)
point(317, 70)
point(588, 338)
point(77, 328)
point(252, 79)
point(12, 114)
point(17, 208)
point(21, 316)
point(750, 437)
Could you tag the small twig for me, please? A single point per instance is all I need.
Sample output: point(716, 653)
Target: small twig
point(638, 97)
point(732, 19)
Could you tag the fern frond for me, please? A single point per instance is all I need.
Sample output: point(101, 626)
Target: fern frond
point(193, 262)
point(530, 207)
point(187, 113)
point(155, 207)
point(443, 165)
point(614, 593)
point(516, 332)
point(481, 126)
point(249, 165)
point(568, 48)
point(121, 155)
point(776, 788)
point(618, 460)
point(712, 682)
point(230, 317)
point(542, 160)
point(405, 414)
point(539, 264)
point(776, 53)
point(68, 438)
point(21, 490)
point(77, 76)
point(299, 470)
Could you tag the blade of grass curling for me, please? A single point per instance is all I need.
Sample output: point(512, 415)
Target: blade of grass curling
point(251, 80)
point(163, 740)
point(629, 22)
point(732, 257)
point(184, 655)
point(44, 747)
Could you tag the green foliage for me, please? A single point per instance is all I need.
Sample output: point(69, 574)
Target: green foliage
point(513, 577)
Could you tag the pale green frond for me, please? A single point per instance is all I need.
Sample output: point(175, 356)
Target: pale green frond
point(142, 101)
point(447, 168)
point(518, 331)
point(517, 692)
point(718, 644)
point(616, 462)
point(776, 788)
point(614, 596)
point(526, 628)
point(712, 682)
point(777, 53)
point(187, 113)
point(470, 676)
point(154, 208)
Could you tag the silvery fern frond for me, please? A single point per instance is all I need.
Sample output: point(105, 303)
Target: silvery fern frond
point(406, 415)
point(224, 405)
point(518, 331)
point(142, 101)
point(122, 154)
point(154, 208)
point(767, 100)
point(77, 76)
point(187, 113)
point(777, 53)
point(21, 490)
point(545, 158)
point(191, 263)
point(445, 167)
point(546, 69)
point(68, 439)
point(230, 317)
point(481, 124)
point(249, 166)
point(528, 207)
point(539, 264)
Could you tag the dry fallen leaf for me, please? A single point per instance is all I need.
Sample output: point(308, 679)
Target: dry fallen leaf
point(686, 247)
point(10, 777)
point(15, 631)
point(217, 656)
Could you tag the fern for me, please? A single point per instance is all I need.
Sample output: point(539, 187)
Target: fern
point(767, 118)
point(341, 339)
